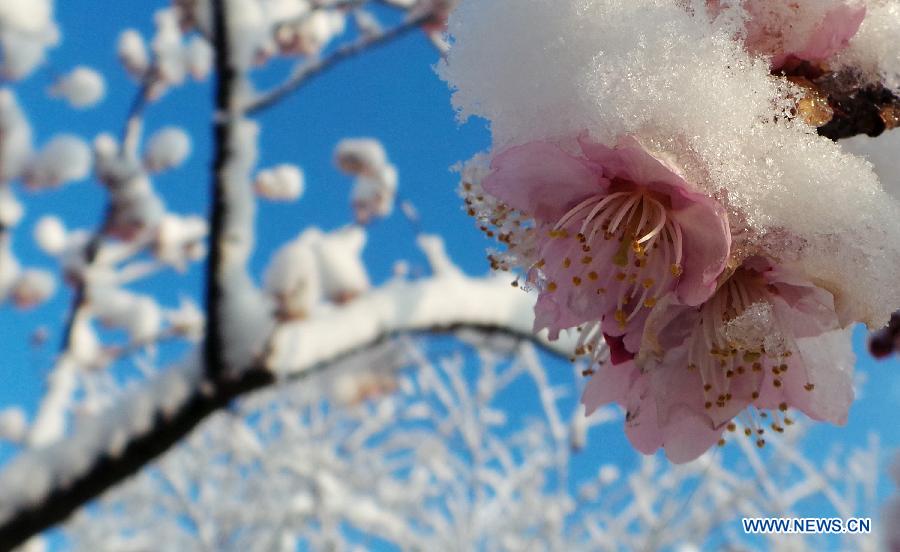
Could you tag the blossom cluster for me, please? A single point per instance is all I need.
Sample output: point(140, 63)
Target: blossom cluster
point(669, 194)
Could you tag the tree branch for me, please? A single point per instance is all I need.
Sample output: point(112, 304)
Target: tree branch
point(43, 486)
point(306, 72)
point(50, 417)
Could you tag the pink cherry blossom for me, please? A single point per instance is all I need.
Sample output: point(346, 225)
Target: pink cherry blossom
point(607, 233)
point(766, 341)
point(778, 29)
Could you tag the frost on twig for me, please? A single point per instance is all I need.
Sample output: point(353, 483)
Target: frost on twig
point(429, 454)
point(155, 413)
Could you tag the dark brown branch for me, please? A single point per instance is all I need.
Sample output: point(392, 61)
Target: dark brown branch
point(108, 471)
point(225, 79)
point(859, 108)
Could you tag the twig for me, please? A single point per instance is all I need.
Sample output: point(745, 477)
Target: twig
point(306, 72)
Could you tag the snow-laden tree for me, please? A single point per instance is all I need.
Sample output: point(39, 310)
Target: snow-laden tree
point(674, 211)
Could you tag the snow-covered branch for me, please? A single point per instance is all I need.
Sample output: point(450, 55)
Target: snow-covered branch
point(44, 485)
point(313, 68)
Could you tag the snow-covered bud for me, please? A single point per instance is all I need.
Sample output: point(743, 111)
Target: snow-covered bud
point(180, 239)
point(139, 315)
point(65, 158)
point(84, 345)
point(168, 148)
point(135, 209)
point(33, 287)
point(15, 137)
point(26, 31)
point(82, 87)
point(341, 267)
point(27, 16)
point(146, 320)
point(280, 183)
point(167, 48)
point(250, 31)
point(110, 167)
point(50, 235)
point(358, 156)
point(187, 320)
point(11, 210)
point(13, 424)
point(199, 58)
point(373, 196)
point(132, 52)
point(292, 277)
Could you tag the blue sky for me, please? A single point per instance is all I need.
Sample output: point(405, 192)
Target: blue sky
point(391, 94)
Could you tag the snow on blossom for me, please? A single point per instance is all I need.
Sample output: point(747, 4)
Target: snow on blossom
point(292, 277)
point(767, 341)
point(139, 315)
point(135, 208)
point(132, 51)
point(180, 239)
point(873, 52)
point(11, 209)
point(168, 148)
point(790, 33)
point(343, 272)
point(63, 159)
point(82, 87)
point(187, 320)
point(199, 55)
point(373, 196)
point(357, 156)
point(374, 191)
point(605, 234)
point(33, 287)
point(310, 33)
point(315, 266)
point(283, 182)
point(542, 71)
point(50, 235)
point(27, 29)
